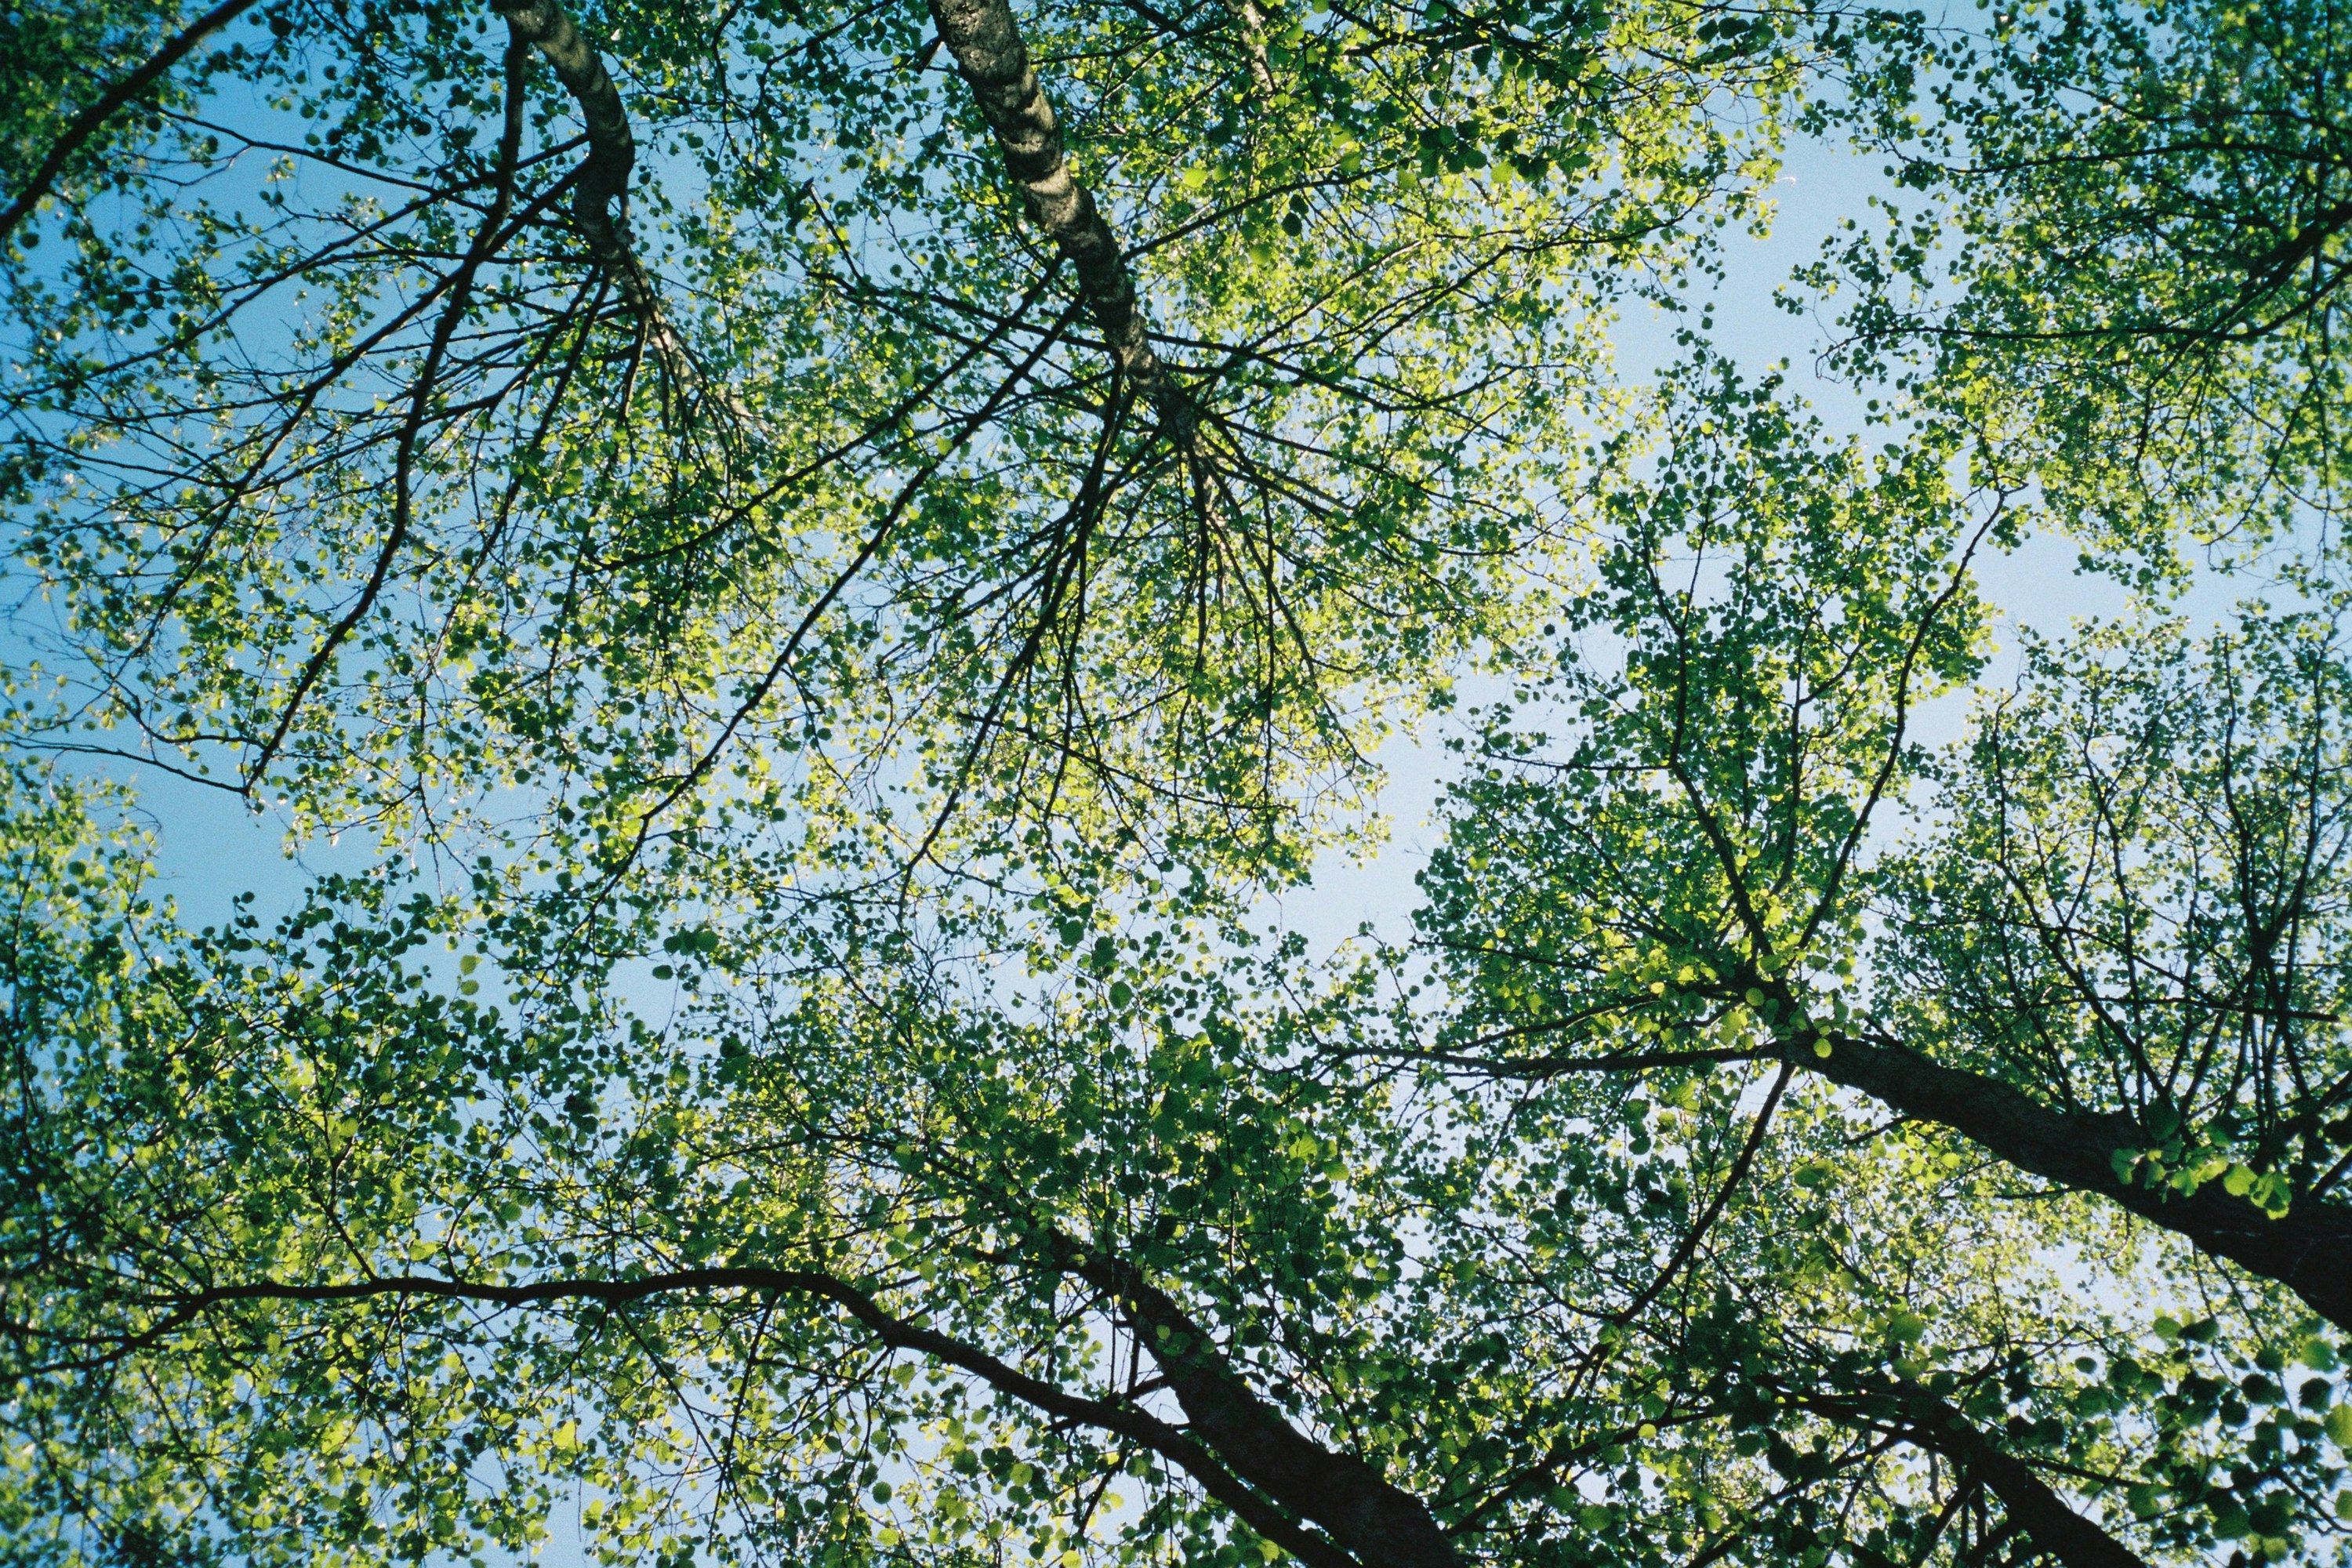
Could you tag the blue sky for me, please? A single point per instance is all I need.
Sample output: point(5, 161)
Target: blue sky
point(214, 849)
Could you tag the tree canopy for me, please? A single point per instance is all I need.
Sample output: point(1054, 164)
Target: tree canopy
point(797, 578)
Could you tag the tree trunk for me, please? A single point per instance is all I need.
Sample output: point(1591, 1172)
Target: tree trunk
point(1377, 1523)
point(988, 51)
point(2308, 1250)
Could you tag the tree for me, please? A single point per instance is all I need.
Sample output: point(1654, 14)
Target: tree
point(2103, 955)
point(900, 451)
point(2126, 262)
point(829, 556)
point(751, 1272)
point(2111, 957)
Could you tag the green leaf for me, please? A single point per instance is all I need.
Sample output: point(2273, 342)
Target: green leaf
point(2339, 1425)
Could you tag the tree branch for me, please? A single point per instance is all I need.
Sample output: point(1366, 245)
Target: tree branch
point(1713, 1211)
point(411, 428)
point(2051, 1523)
point(1171, 1443)
point(601, 184)
point(1377, 1522)
point(987, 46)
point(87, 124)
point(2308, 1250)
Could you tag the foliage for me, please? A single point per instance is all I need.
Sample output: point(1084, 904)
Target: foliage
point(2125, 261)
point(2101, 955)
point(825, 561)
point(881, 520)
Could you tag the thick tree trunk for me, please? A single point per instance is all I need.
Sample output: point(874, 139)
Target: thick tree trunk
point(2308, 1250)
point(986, 44)
point(2048, 1519)
point(1375, 1521)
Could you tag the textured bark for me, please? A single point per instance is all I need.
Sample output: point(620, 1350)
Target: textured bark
point(987, 49)
point(601, 184)
point(2309, 1250)
point(1927, 1422)
point(2045, 1516)
point(1378, 1523)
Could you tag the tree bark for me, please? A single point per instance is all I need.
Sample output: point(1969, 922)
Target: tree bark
point(1375, 1521)
point(988, 51)
point(601, 184)
point(2308, 1250)
point(2053, 1523)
